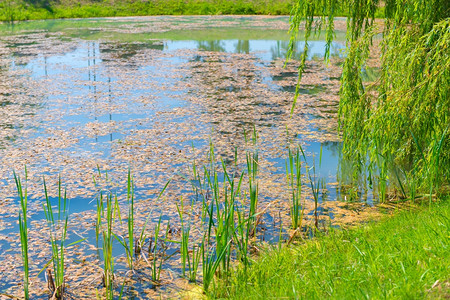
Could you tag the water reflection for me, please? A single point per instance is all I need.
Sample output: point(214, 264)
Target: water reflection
point(316, 49)
point(243, 46)
point(17, 108)
point(100, 96)
point(97, 61)
point(99, 57)
point(127, 50)
point(216, 46)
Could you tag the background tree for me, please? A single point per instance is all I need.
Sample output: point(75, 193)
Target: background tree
point(401, 120)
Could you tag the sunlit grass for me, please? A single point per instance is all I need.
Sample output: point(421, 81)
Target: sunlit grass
point(404, 256)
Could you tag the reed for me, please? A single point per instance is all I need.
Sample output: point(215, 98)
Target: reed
point(98, 220)
point(210, 262)
point(252, 169)
point(294, 182)
point(192, 262)
point(241, 236)
point(315, 182)
point(130, 202)
point(156, 268)
point(130, 248)
point(57, 240)
point(142, 236)
point(185, 230)
point(107, 243)
point(23, 228)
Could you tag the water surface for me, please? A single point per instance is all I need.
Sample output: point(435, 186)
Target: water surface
point(80, 98)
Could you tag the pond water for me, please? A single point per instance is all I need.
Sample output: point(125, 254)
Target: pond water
point(80, 98)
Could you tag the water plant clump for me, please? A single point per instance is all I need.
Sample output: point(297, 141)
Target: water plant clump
point(23, 228)
point(59, 222)
point(294, 181)
point(219, 223)
point(132, 247)
point(107, 244)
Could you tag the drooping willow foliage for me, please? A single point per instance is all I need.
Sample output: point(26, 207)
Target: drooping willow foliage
point(402, 120)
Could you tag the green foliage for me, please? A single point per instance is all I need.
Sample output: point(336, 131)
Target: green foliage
point(402, 120)
point(401, 257)
point(294, 182)
point(107, 243)
point(23, 228)
point(156, 268)
point(57, 239)
point(24, 10)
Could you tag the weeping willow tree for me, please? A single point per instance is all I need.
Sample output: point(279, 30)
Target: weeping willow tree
point(402, 120)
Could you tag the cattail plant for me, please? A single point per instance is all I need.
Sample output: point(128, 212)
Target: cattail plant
point(23, 227)
point(294, 182)
point(57, 240)
point(107, 242)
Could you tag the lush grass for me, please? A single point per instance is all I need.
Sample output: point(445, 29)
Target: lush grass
point(403, 256)
point(52, 9)
point(23, 10)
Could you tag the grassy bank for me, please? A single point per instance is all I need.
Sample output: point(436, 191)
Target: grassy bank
point(405, 256)
point(42, 9)
point(26, 10)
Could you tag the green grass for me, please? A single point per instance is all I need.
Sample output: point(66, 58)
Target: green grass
point(21, 10)
point(405, 256)
point(25, 10)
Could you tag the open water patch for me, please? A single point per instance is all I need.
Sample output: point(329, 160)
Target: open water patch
point(91, 100)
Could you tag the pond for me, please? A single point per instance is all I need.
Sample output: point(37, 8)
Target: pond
point(89, 101)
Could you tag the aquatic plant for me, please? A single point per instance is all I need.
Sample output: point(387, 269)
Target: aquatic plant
point(23, 228)
point(130, 248)
point(241, 235)
point(231, 219)
point(56, 283)
point(210, 262)
point(156, 268)
point(252, 169)
point(130, 220)
point(192, 262)
point(185, 230)
point(142, 236)
point(107, 242)
point(294, 182)
point(98, 220)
